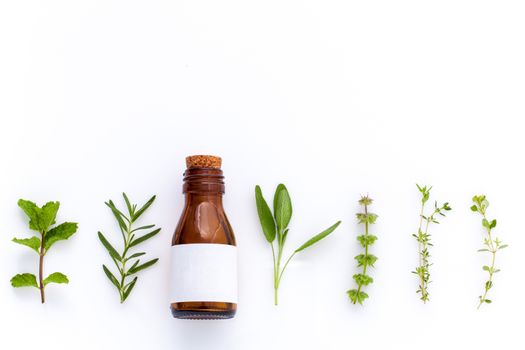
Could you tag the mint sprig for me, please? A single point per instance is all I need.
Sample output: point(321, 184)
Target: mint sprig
point(275, 227)
point(492, 244)
point(366, 259)
point(127, 263)
point(424, 240)
point(40, 220)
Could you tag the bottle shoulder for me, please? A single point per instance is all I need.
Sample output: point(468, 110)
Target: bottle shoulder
point(204, 222)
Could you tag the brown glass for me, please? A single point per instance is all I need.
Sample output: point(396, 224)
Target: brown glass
point(203, 220)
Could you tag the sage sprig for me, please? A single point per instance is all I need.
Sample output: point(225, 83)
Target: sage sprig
point(424, 240)
point(366, 259)
point(492, 244)
point(275, 228)
point(40, 220)
point(127, 263)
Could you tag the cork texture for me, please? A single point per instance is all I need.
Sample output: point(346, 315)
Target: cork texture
point(203, 161)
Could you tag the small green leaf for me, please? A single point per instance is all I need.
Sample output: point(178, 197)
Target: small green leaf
point(129, 288)
point(24, 280)
point(318, 237)
point(144, 208)
point(59, 233)
point(33, 243)
point(128, 204)
point(136, 255)
point(48, 215)
point(493, 223)
point(282, 209)
point(265, 215)
point(486, 268)
point(503, 246)
point(56, 277)
point(114, 254)
point(488, 301)
point(142, 228)
point(118, 215)
point(144, 238)
point(474, 208)
point(138, 268)
point(33, 213)
point(111, 277)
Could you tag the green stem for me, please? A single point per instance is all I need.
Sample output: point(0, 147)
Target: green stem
point(41, 268)
point(491, 269)
point(366, 253)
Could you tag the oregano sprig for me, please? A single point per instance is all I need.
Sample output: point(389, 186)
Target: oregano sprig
point(40, 220)
point(492, 244)
point(424, 240)
point(366, 259)
point(127, 263)
point(275, 228)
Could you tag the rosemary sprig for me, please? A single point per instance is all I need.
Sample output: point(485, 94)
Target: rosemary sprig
point(492, 245)
point(276, 226)
point(366, 259)
point(130, 240)
point(424, 240)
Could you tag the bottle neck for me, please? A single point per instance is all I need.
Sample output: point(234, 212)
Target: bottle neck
point(203, 183)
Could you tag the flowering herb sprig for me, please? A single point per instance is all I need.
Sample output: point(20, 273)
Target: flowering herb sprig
point(492, 244)
point(424, 240)
point(364, 260)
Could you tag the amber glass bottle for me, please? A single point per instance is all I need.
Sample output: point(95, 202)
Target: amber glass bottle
point(204, 255)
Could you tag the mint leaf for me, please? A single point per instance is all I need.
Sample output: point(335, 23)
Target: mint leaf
point(33, 243)
point(33, 213)
point(48, 215)
point(56, 277)
point(24, 280)
point(59, 233)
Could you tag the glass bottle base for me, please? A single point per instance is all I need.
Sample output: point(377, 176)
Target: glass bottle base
point(203, 310)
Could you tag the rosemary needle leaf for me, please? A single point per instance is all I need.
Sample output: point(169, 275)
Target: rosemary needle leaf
point(111, 277)
point(129, 288)
point(144, 238)
point(114, 254)
point(144, 208)
point(138, 268)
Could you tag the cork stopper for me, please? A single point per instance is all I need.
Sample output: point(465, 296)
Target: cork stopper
point(203, 161)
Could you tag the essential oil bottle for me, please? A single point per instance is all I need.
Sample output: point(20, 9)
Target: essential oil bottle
point(204, 254)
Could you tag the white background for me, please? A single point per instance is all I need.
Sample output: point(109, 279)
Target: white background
point(333, 98)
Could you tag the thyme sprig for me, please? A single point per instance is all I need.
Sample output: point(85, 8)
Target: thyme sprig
point(364, 260)
point(424, 240)
point(492, 244)
point(121, 260)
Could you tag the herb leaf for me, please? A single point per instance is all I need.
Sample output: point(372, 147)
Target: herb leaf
point(125, 223)
point(265, 215)
point(33, 243)
point(282, 212)
point(282, 207)
point(24, 280)
point(56, 277)
point(59, 233)
point(41, 220)
point(318, 237)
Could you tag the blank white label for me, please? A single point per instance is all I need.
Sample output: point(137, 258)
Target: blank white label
point(204, 272)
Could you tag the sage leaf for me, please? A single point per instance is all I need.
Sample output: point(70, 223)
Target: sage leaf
point(318, 237)
point(265, 215)
point(282, 207)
